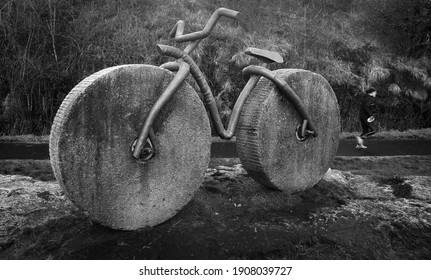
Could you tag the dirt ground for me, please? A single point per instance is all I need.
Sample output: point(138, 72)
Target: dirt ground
point(379, 214)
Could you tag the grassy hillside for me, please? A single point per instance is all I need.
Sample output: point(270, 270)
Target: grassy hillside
point(48, 46)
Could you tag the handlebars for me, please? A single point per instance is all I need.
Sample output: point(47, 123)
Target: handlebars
point(177, 31)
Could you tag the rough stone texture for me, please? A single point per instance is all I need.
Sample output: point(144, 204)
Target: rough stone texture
point(231, 216)
point(266, 140)
point(92, 136)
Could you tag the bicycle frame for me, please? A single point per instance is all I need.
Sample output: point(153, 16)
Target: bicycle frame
point(184, 66)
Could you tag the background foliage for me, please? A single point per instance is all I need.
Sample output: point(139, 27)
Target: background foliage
point(48, 46)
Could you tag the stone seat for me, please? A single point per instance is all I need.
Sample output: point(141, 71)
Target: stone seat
point(264, 55)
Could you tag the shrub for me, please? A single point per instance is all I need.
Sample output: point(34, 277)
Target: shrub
point(48, 46)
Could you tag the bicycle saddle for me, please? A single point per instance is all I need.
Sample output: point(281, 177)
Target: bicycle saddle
point(264, 55)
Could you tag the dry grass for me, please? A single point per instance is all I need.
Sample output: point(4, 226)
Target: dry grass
point(29, 138)
point(49, 46)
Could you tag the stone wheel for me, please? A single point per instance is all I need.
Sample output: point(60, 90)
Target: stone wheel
point(266, 134)
point(91, 139)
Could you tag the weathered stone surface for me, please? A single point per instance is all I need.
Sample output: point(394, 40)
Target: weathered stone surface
point(266, 133)
point(91, 139)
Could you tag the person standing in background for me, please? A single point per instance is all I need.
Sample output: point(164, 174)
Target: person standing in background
point(366, 117)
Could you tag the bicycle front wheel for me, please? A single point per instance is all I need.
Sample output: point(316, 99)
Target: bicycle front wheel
point(91, 139)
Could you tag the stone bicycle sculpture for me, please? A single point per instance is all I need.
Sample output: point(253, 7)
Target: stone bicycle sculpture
point(130, 144)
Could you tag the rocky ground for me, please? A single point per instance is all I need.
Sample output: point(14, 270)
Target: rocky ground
point(364, 208)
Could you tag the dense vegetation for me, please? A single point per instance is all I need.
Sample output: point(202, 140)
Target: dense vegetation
point(48, 46)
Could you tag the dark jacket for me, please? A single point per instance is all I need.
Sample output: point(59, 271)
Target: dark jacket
point(368, 107)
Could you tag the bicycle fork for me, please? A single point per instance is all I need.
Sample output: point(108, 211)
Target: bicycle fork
point(143, 148)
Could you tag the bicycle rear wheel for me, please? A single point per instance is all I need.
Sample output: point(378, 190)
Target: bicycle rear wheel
point(266, 134)
point(90, 147)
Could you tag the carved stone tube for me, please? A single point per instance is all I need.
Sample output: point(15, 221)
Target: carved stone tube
point(180, 76)
point(179, 27)
point(208, 98)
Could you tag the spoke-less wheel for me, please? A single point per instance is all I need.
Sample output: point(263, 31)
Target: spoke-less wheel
point(91, 139)
point(267, 141)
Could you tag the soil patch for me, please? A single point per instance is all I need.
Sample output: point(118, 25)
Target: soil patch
point(381, 209)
